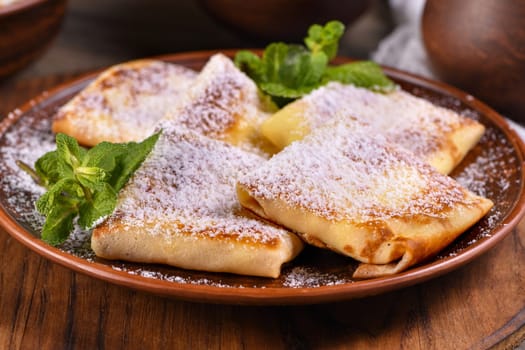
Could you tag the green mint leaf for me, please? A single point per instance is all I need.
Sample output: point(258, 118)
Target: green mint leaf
point(301, 69)
point(102, 203)
point(66, 192)
point(90, 177)
point(282, 91)
point(325, 39)
point(249, 63)
point(50, 168)
point(290, 71)
point(273, 57)
point(60, 206)
point(286, 72)
point(84, 183)
point(69, 151)
point(130, 159)
point(104, 156)
point(366, 74)
point(58, 225)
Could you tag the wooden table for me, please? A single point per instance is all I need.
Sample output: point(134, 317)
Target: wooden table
point(46, 306)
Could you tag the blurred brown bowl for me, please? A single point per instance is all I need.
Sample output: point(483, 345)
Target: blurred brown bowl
point(479, 46)
point(27, 27)
point(288, 20)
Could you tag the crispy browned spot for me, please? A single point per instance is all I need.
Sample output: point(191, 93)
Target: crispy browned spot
point(379, 234)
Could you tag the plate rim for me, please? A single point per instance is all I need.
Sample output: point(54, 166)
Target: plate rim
point(273, 295)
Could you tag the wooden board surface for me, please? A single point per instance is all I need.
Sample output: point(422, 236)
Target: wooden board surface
point(46, 306)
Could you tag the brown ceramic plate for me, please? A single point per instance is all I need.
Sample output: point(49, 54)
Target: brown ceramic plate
point(493, 169)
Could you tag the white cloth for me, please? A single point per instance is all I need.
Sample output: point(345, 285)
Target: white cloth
point(403, 47)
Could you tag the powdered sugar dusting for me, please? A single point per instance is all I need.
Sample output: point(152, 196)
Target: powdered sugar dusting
point(491, 170)
point(189, 181)
point(490, 160)
point(131, 98)
point(146, 273)
point(307, 277)
point(394, 115)
point(493, 174)
point(223, 104)
point(339, 173)
point(30, 141)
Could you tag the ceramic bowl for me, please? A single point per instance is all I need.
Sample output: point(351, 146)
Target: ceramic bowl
point(27, 28)
point(479, 46)
point(287, 20)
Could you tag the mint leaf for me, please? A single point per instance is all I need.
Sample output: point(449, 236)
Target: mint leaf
point(104, 155)
point(286, 72)
point(60, 206)
point(273, 58)
point(69, 151)
point(90, 177)
point(295, 67)
point(280, 90)
point(66, 192)
point(366, 74)
point(49, 169)
point(84, 183)
point(249, 63)
point(58, 225)
point(325, 39)
point(102, 204)
point(129, 160)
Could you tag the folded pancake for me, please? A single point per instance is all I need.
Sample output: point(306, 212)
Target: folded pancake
point(437, 135)
point(224, 104)
point(124, 103)
point(180, 208)
point(363, 197)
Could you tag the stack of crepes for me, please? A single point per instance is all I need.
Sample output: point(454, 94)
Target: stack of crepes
point(234, 186)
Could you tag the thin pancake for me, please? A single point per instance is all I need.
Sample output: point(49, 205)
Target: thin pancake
point(362, 197)
point(437, 135)
point(124, 103)
point(224, 104)
point(180, 208)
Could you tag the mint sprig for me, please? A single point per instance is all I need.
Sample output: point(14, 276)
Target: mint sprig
point(325, 39)
point(83, 183)
point(365, 74)
point(286, 72)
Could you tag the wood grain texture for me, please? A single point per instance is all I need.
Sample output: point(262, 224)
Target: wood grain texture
point(45, 306)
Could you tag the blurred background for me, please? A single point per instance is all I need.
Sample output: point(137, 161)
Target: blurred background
point(96, 33)
point(476, 45)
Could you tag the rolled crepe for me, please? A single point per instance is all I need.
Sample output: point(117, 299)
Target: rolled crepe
point(224, 104)
point(363, 197)
point(439, 136)
point(180, 208)
point(124, 103)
